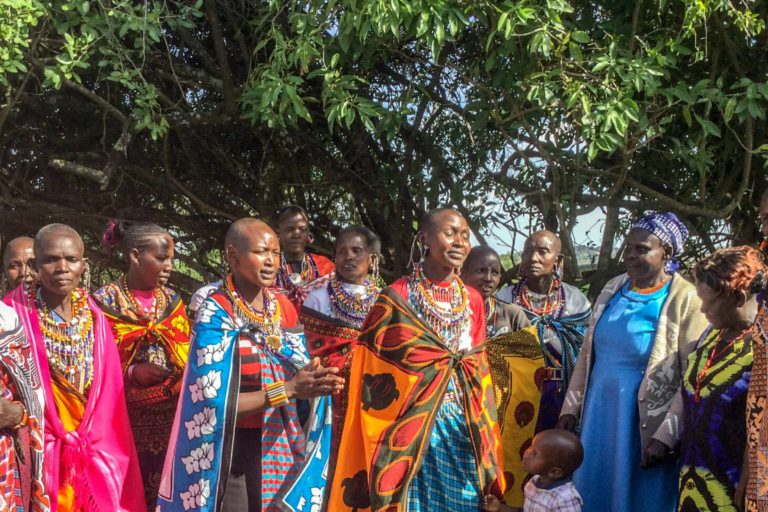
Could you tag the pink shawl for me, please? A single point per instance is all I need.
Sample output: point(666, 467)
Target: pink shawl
point(100, 452)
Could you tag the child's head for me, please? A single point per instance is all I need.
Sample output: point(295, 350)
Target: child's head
point(553, 455)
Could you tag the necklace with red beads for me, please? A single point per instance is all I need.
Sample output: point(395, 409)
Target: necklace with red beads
point(68, 344)
point(445, 308)
point(152, 312)
point(714, 354)
point(349, 307)
point(526, 298)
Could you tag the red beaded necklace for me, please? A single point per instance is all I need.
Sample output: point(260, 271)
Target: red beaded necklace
point(713, 354)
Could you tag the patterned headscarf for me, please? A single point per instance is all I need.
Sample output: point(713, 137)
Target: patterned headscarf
point(670, 231)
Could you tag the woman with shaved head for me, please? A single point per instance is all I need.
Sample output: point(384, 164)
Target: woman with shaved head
point(237, 443)
point(90, 459)
point(420, 432)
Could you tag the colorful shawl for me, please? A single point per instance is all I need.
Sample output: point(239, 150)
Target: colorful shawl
point(17, 362)
point(517, 367)
point(333, 341)
point(399, 374)
point(99, 456)
point(199, 457)
point(132, 332)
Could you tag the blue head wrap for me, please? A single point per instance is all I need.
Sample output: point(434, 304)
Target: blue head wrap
point(672, 233)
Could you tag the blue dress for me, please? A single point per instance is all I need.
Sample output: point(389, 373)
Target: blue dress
point(610, 478)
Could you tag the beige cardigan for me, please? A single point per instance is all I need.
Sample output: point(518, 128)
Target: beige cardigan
point(658, 401)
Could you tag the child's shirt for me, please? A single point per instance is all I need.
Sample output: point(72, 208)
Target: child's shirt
point(561, 497)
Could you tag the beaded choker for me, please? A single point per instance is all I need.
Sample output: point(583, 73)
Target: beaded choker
point(69, 345)
point(154, 311)
point(287, 278)
point(348, 306)
point(526, 298)
point(267, 321)
point(430, 299)
point(647, 291)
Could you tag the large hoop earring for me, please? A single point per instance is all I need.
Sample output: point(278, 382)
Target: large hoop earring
point(375, 271)
point(86, 277)
point(424, 251)
point(413, 246)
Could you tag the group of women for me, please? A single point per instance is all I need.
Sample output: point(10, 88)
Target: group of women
point(302, 385)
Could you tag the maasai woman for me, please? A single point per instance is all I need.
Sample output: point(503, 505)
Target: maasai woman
point(332, 316)
point(420, 431)
point(16, 264)
point(561, 314)
point(236, 443)
point(22, 485)
point(624, 388)
point(514, 356)
point(298, 267)
point(714, 391)
point(754, 475)
point(90, 459)
point(152, 334)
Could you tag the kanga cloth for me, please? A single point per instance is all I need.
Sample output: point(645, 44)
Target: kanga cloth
point(199, 457)
point(333, 341)
point(714, 428)
point(98, 458)
point(517, 367)
point(25, 457)
point(757, 416)
point(562, 497)
point(399, 376)
point(139, 339)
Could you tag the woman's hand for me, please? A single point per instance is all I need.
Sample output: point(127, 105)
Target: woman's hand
point(146, 375)
point(314, 380)
point(10, 413)
point(567, 422)
point(654, 454)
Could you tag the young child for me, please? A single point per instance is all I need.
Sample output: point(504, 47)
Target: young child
point(552, 458)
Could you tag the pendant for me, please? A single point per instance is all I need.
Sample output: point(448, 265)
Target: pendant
point(295, 278)
point(274, 342)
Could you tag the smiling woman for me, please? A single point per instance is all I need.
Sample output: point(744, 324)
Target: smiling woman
point(410, 430)
point(152, 334)
point(80, 373)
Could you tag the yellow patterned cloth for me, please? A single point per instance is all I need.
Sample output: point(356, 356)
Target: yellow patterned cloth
point(517, 366)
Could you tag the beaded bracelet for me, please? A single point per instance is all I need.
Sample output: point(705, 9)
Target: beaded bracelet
point(276, 394)
point(129, 374)
point(24, 416)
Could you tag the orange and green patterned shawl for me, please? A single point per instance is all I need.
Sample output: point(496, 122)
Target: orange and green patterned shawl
point(131, 331)
point(399, 375)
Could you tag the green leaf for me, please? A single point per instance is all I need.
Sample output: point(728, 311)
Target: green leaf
point(580, 37)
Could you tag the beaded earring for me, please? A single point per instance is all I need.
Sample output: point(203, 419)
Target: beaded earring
point(413, 246)
point(86, 277)
point(424, 251)
point(224, 270)
point(310, 238)
point(558, 270)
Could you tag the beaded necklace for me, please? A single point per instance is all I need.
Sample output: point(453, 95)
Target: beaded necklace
point(490, 316)
point(69, 345)
point(556, 308)
point(287, 278)
point(152, 312)
point(266, 321)
point(348, 306)
point(713, 354)
point(647, 291)
point(428, 297)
